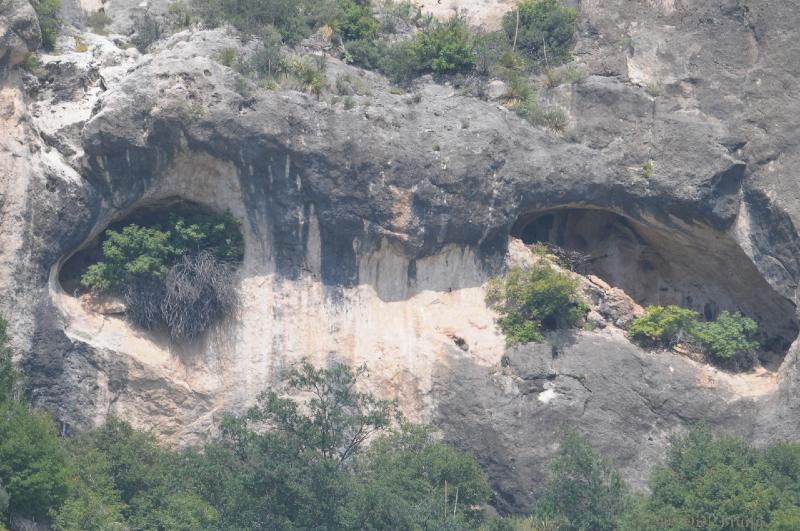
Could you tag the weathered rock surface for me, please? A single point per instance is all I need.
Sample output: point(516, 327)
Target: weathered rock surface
point(371, 230)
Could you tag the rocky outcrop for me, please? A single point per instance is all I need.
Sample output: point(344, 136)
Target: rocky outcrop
point(370, 230)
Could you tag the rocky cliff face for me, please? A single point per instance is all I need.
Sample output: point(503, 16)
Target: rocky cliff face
point(370, 231)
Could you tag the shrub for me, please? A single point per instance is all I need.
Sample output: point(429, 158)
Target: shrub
point(179, 15)
point(664, 325)
point(268, 58)
point(441, 48)
point(47, 11)
point(147, 30)
point(365, 53)
point(356, 20)
point(294, 19)
point(309, 73)
point(647, 169)
point(226, 57)
point(533, 299)
point(98, 21)
point(653, 89)
point(446, 47)
point(730, 335)
point(543, 29)
point(80, 45)
point(178, 273)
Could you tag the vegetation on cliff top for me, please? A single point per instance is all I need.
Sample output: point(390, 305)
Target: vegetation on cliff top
point(399, 41)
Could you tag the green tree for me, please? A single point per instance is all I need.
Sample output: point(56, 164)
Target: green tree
point(403, 478)
point(296, 458)
point(717, 482)
point(543, 30)
point(533, 299)
point(93, 503)
point(33, 465)
point(584, 492)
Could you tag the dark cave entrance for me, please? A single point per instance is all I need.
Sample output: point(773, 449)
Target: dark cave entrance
point(692, 266)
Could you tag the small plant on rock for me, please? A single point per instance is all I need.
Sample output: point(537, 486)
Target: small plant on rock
point(533, 299)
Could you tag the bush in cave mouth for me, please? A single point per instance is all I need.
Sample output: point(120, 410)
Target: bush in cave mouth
point(533, 299)
point(175, 271)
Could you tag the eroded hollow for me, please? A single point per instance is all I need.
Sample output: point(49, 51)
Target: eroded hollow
point(692, 266)
point(179, 278)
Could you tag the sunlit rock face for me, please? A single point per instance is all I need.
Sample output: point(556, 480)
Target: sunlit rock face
point(371, 231)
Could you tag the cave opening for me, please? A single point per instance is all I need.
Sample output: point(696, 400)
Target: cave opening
point(692, 266)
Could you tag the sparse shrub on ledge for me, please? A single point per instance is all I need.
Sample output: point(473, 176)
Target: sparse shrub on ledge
point(177, 274)
point(663, 325)
point(730, 340)
point(534, 299)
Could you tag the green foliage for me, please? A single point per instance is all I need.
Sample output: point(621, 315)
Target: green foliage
point(355, 20)
point(48, 13)
point(9, 377)
point(147, 252)
point(227, 57)
point(93, 503)
point(446, 47)
point(33, 466)
point(719, 483)
point(368, 54)
point(728, 336)
point(653, 89)
point(403, 478)
point(584, 491)
point(98, 21)
point(664, 325)
point(309, 73)
point(179, 14)
point(440, 48)
point(542, 29)
point(647, 169)
point(531, 300)
point(298, 456)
